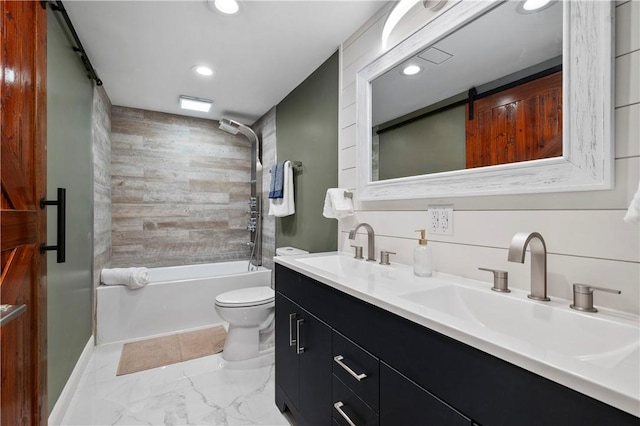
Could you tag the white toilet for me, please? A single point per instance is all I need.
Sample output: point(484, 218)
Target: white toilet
point(250, 313)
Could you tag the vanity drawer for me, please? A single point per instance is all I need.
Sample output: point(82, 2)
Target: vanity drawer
point(347, 402)
point(347, 355)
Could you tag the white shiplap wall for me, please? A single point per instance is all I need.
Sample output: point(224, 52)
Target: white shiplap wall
point(587, 240)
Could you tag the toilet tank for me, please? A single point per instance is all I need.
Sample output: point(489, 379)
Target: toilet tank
point(288, 251)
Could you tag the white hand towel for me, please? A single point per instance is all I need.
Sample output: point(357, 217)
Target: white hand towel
point(285, 206)
point(133, 278)
point(633, 213)
point(336, 204)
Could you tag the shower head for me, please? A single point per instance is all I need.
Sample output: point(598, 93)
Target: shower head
point(229, 126)
point(234, 127)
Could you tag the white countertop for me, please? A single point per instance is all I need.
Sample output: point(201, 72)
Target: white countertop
point(577, 361)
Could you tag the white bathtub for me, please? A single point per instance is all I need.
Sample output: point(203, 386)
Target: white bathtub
point(177, 298)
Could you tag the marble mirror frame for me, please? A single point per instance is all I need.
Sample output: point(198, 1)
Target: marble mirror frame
point(587, 162)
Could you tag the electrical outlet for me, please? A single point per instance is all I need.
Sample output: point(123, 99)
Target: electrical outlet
point(434, 221)
point(441, 220)
point(446, 221)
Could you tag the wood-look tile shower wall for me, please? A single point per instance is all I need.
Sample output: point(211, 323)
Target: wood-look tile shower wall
point(180, 188)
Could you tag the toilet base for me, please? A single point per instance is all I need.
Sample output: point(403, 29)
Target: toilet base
point(264, 359)
point(245, 343)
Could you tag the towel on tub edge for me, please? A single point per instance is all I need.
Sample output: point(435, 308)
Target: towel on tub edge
point(133, 278)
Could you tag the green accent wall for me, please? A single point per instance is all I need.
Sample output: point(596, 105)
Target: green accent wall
point(436, 143)
point(307, 131)
point(69, 165)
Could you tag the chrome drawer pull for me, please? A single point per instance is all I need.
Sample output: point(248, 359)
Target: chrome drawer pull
point(338, 406)
point(299, 349)
point(291, 339)
point(358, 377)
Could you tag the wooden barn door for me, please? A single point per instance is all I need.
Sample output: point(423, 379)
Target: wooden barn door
point(23, 130)
point(518, 124)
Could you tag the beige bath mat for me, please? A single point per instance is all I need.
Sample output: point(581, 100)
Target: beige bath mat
point(160, 351)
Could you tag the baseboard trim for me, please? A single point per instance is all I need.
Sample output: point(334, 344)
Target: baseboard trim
point(62, 404)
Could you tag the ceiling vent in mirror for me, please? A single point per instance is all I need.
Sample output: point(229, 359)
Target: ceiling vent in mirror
point(435, 56)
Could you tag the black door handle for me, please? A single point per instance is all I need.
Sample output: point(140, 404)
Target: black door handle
point(61, 202)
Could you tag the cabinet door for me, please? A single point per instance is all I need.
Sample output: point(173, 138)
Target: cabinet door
point(315, 370)
point(402, 402)
point(285, 350)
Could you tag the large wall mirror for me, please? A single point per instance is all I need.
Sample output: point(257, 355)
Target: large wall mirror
point(501, 101)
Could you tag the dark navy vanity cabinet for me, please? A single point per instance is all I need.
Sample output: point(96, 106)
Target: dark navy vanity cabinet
point(340, 359)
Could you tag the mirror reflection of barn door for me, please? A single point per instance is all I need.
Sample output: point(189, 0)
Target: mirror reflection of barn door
point(23, 394)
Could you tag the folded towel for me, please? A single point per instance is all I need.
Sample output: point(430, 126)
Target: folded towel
point(336, 205)
point(285, 206)
point(133, 278)
point(633, 213)
point(276, 187)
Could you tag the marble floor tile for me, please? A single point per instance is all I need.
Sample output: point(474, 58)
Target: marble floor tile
point(196, 392)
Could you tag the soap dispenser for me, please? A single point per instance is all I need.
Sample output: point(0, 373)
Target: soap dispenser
point(422, 257)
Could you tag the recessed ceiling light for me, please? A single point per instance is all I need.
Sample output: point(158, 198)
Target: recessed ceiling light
point(411, 70)
point(203, 70)
point(195, 104)
point(228, 7)
point(534, 4)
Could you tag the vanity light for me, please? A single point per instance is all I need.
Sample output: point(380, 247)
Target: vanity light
point(228, 7)
point(395, 16)
point(411, 70)
point(195, 104)
point(203, 70)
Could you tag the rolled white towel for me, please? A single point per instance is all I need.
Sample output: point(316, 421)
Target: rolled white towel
point(133, 278)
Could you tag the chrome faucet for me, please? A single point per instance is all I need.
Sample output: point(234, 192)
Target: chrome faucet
point(370, 239)
point(517, 250)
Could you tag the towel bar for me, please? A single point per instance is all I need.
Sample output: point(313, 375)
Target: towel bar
point(294, 164)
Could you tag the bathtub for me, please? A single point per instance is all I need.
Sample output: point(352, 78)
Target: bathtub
point(176, 298)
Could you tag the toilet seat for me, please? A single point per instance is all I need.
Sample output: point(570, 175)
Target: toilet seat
point(246, 297)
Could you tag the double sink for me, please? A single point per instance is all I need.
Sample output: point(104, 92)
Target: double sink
point(597, 354)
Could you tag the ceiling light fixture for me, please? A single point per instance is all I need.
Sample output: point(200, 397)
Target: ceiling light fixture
point(203, 70)
point(531, 5)
point(228, 7)
point(195, 104)
point(411, 70)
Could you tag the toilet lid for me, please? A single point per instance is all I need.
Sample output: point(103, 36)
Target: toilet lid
point(244, 297)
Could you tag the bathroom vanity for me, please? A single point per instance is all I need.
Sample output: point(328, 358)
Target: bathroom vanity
point(365, 344)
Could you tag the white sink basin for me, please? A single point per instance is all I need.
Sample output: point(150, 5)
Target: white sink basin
point(586, 337)
point(339, 265)
point(355, 270)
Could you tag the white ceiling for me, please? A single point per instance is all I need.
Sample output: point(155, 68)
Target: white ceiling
point(144, 51)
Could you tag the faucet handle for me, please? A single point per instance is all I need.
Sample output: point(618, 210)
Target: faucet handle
point(500, 280)
point(384, 257)
point(583, 296)
point(358, 254)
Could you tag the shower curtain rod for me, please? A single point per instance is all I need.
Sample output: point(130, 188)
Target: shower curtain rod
point(59, 7)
